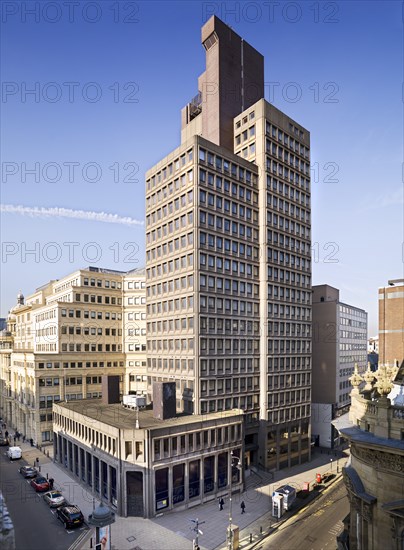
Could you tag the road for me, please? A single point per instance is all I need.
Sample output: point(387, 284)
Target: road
point(315, 528)
point(35, 524)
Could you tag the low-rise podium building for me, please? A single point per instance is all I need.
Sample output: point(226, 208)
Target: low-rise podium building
point(141, 465)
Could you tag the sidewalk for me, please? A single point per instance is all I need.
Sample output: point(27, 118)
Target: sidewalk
point(173, 530)
point(259, 487)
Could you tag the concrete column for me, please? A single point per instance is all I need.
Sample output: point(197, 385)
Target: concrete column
point(93, 472)
point(201, 483)
point(216, 473)
point(60, 447)
point(186, 482)
point(69, 460)
point(170, 485)
point(65, 454)
point(108, 483)
point(85, 467)
point(78, 461)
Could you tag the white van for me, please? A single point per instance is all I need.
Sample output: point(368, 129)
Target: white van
point(14, 453)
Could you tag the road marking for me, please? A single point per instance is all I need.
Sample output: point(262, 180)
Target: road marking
point(319, 512)
point(336, 529)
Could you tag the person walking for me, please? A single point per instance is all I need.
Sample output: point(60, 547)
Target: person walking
point(23, 438)
point(51, 482)
point(242, 506)
point(221, 503)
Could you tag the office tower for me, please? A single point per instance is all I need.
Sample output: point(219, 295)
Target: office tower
point(339, 342)
point(391, 323)
point(134, 331)
point(228, 257)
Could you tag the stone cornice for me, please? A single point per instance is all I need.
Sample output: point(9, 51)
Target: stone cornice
point(381, 460)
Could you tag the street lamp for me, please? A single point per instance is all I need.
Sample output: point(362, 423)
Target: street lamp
point(230, 534)
point(100, 518)
point(197, 531)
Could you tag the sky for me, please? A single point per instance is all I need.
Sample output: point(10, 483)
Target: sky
point(91, 99)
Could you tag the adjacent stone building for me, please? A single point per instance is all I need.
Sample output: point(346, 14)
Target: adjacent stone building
point(64, 337)
point(374, 428)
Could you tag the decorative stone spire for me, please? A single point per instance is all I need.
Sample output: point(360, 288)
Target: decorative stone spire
point(356, 379)
point(393, 370)
point(20, 299)
point(369, 378)
point(384, 382)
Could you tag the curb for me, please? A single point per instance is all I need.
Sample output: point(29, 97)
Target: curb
point(82, 539)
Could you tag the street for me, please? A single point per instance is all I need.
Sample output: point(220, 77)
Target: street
point(317, 527)
point(35, 524)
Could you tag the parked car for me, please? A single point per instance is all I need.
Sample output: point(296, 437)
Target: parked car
point(3, 441)
point(28, 471)
point(14, 453)
point(70, 515)
point(40, 484)
point(54, 498)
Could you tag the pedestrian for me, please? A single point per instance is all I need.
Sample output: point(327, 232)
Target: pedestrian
point(23, 438)
point(6, 434)
point(242, 506)
point(51, 482)
point(221, 503)
point(14, 440)
point(31, 442)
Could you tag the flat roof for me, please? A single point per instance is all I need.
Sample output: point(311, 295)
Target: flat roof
point(122, 417)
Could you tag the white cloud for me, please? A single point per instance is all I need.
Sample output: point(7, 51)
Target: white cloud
point(58, 212)
point(393, 198)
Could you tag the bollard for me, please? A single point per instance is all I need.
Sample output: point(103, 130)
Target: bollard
point(250, 538)
point(261, 530)
point(47, 475)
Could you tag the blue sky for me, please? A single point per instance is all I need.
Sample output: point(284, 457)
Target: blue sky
point(110, 79)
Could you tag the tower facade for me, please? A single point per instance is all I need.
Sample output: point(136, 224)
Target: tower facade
point(228, 272)
point(391, 323)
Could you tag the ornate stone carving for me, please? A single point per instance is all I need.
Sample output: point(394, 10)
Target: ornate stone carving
point(367, 511)
point(356, 379)
point(356, 503)
point(379, 459)
point(398, 413)
point(384, 382)
point(370, 408)
point(368, 377)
